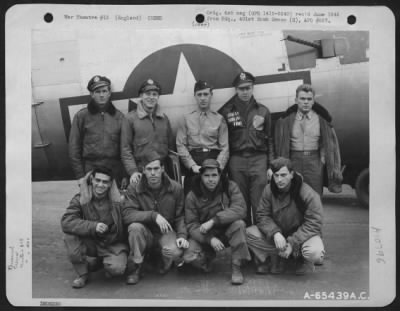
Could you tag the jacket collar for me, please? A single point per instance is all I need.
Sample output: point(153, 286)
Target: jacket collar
point(143, 113)
point(165, 184)
point(317, 108)
point(93, 108)
point(86, 192)
point(295, 186)
point(198, 111)
point(236, 101)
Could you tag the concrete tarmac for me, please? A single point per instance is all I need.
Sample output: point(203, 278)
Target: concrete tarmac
point(345, 269)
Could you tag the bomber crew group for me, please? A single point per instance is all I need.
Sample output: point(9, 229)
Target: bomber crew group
point(244, 187)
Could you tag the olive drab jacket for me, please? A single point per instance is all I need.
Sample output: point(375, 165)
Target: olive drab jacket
point(297, 214)
point(225, 205)
point(140, 132)
point(250, 130)
point(140, 205)
point(94, 135)
point(81, 217)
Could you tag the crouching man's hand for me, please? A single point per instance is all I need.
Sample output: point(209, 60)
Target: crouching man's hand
point(280, 241)
point(163, 224)
point(216, 244)
point(205, 227)
point(101, 228)
point(182, 243)
point(286, 253)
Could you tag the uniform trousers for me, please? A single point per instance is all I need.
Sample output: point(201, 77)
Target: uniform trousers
point(312, 250)
point(142, 240)
point(114, 256)
point(250, 174)
point(233, 235)
point(309, 165)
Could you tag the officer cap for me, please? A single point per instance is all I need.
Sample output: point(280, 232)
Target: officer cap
point(243, 78)
point(150, 85)
point(98, 81)
point(150, 156)
point(201, 85)
point(209, 163)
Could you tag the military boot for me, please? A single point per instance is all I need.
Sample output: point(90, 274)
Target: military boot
point(261, 267)
point(277, 264)
point(80, 281)
point(237, 276)
point(303, 266)
point(134, 277)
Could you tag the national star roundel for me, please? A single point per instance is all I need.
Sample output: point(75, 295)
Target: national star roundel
point(206, 63)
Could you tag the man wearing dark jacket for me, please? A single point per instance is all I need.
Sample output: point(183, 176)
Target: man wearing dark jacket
point(306, 136)
point(94, 139)
point(93, 227)
point(154, 213)
point(250, 141)
point(214, 210)
point(289, 221)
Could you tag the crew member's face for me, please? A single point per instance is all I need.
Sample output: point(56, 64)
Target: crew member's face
point(153, 172)
point(283, 178)
point(203, 98)
point(149, 99)
point(101, 95)
point(101, 183)
point(305, 101)
point(210, 178)
point(245, 91)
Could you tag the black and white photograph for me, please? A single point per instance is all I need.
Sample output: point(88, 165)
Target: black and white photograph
point(200, 155)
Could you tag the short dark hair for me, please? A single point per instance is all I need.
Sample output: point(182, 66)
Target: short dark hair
point(305, 88)
point(280, 162)
point(103, 170)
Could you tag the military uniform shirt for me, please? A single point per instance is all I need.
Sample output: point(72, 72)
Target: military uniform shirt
point(203, 130)
point(305, 132)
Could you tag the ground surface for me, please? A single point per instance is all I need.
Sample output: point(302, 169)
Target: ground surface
point(345, 268)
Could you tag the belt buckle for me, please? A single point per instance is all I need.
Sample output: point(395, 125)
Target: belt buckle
point(206, 150)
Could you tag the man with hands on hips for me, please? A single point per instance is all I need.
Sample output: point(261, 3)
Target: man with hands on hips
point(154, 213)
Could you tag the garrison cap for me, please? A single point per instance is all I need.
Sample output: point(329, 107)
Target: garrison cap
point(150, 156)
point(242, 78)
point(209, 163)
point(98, 81)
point(201, 85)
point(150, 85)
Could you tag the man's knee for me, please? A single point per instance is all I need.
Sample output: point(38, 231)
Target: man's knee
point(253, 232)
point(171, 251)
point(193, 252)
point(237, 227)
point(136, 228)
point(313, 252)
point(115, 269)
